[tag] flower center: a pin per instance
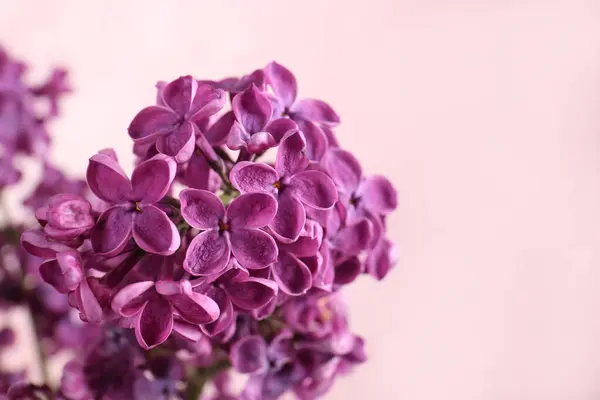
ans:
(138, 206)
(354, 200)
(277, 185)
(223, 226)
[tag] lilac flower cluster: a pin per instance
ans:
(208, 259)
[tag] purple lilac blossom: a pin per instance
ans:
(160, 290)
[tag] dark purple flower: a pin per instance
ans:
(254, 130)
(133, 212)
(172, 123)
(291, 182)
(156, 306)
(233, 230)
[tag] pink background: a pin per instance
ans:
(486, 116)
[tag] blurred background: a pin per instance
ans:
(485, 115)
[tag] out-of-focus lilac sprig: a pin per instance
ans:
(242, 270)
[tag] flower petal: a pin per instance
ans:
(207, 254)
(347, 271)
(237, 138)
(69, 213)
(36, 243)
(344, 169)
(107, 180)
(282, 81)
(150, 123)
(377, 194)
(178, 94)
(291, 154)
(226, 315)
(316, 141)
(87, 303)
(260, 142)
(381, 259)
(126, 302)
(353, 238)
(325, 275)
(279, 127)
(189, 331)
(65, 273)
(208, 101)
(252, 293)
(290, 218)
(112, 231)
(178, 144)
(292, 276)
(218, 132)
(197, 174)
(308, 243)
(316, 111)
(152, 179)
(251, 210)
(254, 249)
(249, 177)
(249, 355)
(315, 189)
(195, 308)
(154, 232)
(331, 137)
(155, 323)
(201, 209)
(252, 109)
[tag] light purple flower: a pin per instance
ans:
(283, 83)
(254, 130)
(381, 259)
(291, 182)
(374, 194)
(299, 261)
(66, 216)
(272, 366)
(66, 274)
(133, 212)
(156, 306)
(225, 231)
(172, 123)
(372, 198)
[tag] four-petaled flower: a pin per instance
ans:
(172, 123)
(254, 130)
(293, 183)
(133, 211)
(161, 307)
(225, 231)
